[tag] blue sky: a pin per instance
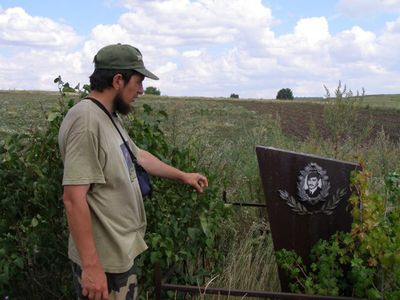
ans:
(208, 48)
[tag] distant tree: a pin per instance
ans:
(285, 94)
(151, 90)
(235, 96)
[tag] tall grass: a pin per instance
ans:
(250, 263)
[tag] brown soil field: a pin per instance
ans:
(296, 117)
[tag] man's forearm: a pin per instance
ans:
(156, 167)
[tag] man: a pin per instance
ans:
(102, 197)
(313, 184)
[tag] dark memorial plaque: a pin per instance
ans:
(306, 199)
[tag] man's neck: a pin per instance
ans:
(106, 98)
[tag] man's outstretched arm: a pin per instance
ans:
(156, 167)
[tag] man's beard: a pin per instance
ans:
(120, 106)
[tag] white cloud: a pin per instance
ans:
(202, 22)
(192, 53)
(36, 69)
(359, 8)
(352, 45)
(19, 28)
(312, 30)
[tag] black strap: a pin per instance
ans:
(99, 104)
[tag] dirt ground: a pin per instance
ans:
(296, 117)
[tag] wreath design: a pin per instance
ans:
(328, 207)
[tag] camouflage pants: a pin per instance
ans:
(121, 286)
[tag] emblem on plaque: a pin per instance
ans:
(313, 188)
(313, 185)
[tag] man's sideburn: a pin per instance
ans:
(120, 106)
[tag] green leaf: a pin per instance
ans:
(155, 257)
(373, 294)
(19, 262)
(193, 232)
(52, 116)
(210, 242)
(155, 239)
(34, 222)
(205, 225)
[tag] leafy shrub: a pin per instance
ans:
(151, 90)
(234, 96)
(285, 94)
(341, 118)
(33, 229)
(182, 225)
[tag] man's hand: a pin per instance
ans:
(94, 283)
(196, 180)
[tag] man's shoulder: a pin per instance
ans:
(83, 116)
(82, 108)
(86, 111)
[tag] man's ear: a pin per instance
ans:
(118, 82)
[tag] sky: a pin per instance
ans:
(209, 48)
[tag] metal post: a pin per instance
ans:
(157, 281)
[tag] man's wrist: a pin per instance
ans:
(182, 176)
(91, 261)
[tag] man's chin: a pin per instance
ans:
(125, 110)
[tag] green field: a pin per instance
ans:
(383, 101)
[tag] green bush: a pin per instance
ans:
(234, 96)
(33, 229)
(182, 225)
(285, 94)
(151, 90)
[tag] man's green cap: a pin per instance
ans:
(121, 57)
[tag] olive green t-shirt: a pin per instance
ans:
(94, 153)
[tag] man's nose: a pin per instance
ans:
(140, 91)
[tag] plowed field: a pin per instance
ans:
(296, 117)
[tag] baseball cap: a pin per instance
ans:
(122, 57)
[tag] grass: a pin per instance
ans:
(383, 101)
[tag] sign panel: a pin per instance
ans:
(306, 197)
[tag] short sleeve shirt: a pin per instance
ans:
(94, 153)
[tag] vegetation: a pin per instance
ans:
(285, 94)
(234, 96)
(213, 136)
(151, 90)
